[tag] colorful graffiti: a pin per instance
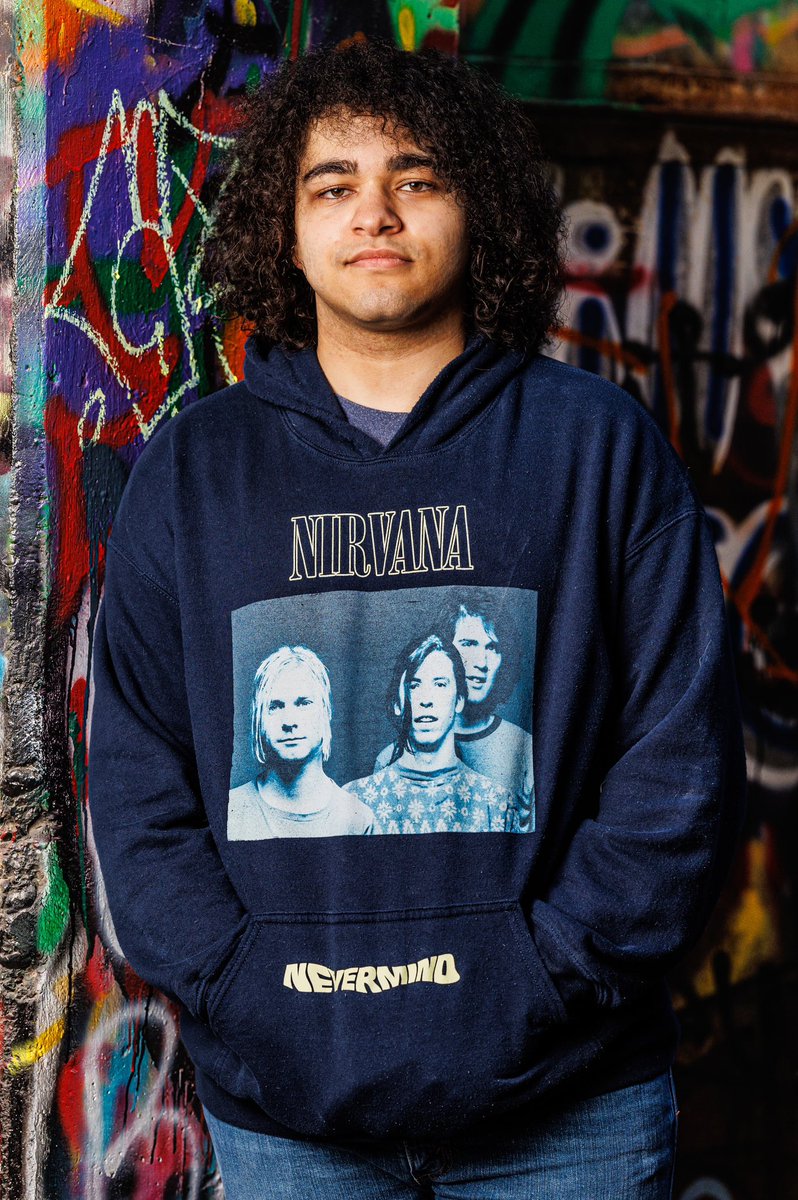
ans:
(126, 111)
(6, 289)
(681, 288)
(702, 331)
(695, 53)
(686, 298)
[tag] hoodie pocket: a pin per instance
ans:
(386, 1024)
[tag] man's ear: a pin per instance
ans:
(460, 705)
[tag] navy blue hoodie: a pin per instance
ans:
(413, 770)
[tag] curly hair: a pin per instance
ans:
(484, 149)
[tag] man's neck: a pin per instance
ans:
(388, 371)
(474, 719)
(436, 759)
(297, 788)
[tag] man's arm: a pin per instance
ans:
(641, 874)
(176, 914)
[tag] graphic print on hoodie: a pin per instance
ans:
(444, 674)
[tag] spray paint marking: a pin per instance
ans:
(143, 139)
(118, 1112)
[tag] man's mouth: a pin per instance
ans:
(378, 258)
(426, 720)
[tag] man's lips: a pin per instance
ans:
(377, 258)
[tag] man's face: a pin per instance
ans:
(381, 241)
(434, 702)
(293, 722)
(481, 656)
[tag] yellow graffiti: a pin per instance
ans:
(106, 1007)
(96, 8)
(28, 1053)
(245, 12)
(752, 935)
(778, 30)
(407, 29)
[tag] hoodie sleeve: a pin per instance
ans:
(175, 911)
(641, 875)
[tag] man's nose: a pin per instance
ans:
(374, 212)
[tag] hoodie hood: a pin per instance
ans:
(295, 383)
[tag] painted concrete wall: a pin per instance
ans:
(124, 113)
(717, 55)
(681, 282)
(682, 268)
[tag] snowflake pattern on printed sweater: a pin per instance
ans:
(451, 800)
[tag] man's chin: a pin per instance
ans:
(296, 754)
(422, 746)
(382, 312)
(478, 710)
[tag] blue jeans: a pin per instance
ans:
(617, 1146)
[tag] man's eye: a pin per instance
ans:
(275, 704)
(334, 193)
(418, 185)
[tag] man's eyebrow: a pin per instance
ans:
(333, 166)
(347, 166)
(408, 162)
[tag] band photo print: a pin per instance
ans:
(406, 711)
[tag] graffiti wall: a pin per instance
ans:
(682, 255)
(125, 114)
(721, 55)
(6, 283)
(682, 271)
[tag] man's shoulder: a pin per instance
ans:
(368, 782)
(582, 392)
(508, 733)
(218, 409)
(243, 796)
(350, 806)
(576, 413)
(193, 441)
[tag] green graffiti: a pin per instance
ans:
(54, 915)
(412, 20)
(533, 47)
(542, 50)
(717, 19)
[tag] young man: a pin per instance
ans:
(290, 728)
(424, 787)
(485, 741)
(390, 236)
